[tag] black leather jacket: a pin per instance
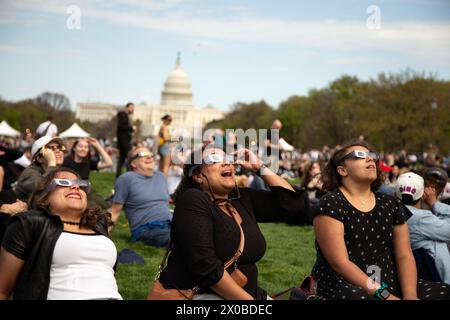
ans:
(31, 236)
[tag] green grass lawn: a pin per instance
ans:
(289, 257)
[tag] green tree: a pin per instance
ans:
(294, 113)
(257, 115)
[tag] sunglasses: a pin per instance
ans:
(359, 154)
(82, 184)
(141, 154)
(56, 147)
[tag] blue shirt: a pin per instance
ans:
(145, 199)
(431, 230)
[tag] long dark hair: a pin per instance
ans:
(72, 152)
(332, 179)
(187, 182)
(39, 201)
(308, 176)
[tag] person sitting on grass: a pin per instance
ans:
(47, 154)
(429, 230)
(144, 195)
(60, 249)
(215, 239)
(79, 160)
(362, 240)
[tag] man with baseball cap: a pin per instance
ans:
(428, 229)
(437, 178)
(47, 154)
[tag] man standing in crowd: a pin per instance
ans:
(144, 195)
(124, 135)
(273, 148)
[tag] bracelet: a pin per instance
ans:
(377, 293)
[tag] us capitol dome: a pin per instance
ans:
(176, 100)
(177, 88)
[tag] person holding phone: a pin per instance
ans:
(47, 155)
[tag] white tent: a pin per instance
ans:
(7, 130)
(285, 146)
(74, 131)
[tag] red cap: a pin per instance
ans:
(384, 167)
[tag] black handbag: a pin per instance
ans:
(306, 291)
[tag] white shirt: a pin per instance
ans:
(51, 132)
(82, 268)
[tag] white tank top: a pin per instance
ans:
(82, 268)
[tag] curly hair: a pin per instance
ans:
(39, 201)
(186, 181)
(332, 179)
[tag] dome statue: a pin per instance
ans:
(177, 88)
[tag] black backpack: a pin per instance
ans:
(306, 291)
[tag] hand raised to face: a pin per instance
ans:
(248, 160)
(430, 196)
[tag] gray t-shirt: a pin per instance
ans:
(145, 199)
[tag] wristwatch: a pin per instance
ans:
(385, 294)
(382, 292)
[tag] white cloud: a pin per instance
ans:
(208, 46)
(413, 39)
(13, 49)
(147, 4)
(359, 59)
(240, 9)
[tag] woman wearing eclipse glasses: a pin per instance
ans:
(362, 240)
(215, 238)
(61, 249)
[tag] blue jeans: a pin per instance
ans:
(164, 149)
(154, 233)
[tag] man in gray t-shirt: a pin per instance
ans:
(144, 195)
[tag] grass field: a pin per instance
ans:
(289, 257)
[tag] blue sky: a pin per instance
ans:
(232, 50)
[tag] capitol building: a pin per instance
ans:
(176, 100)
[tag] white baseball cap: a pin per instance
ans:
(411, 184)
(43, 141)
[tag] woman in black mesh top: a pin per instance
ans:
(205, 234)
(362, 240)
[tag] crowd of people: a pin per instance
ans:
(381, 221)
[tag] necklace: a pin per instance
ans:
(364, 202)
(71, 222)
